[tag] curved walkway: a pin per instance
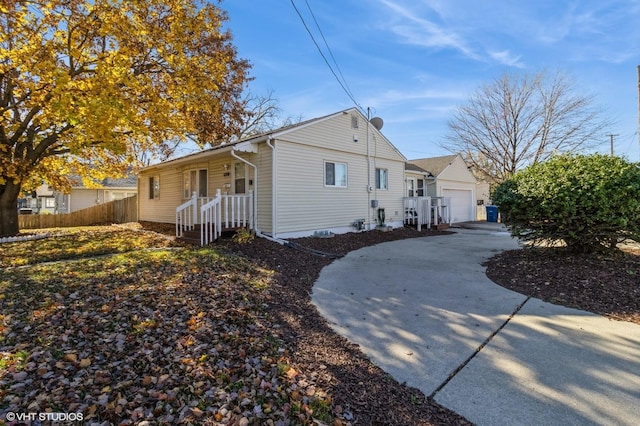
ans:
(424, 311)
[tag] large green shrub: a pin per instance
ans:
(587, 201)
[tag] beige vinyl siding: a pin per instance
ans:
(457, 171)
(264, 190)
(162, 209)
(336, 133)
(390, 199)
(304, 203)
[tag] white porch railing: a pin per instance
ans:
(213, 214)
(421, 211)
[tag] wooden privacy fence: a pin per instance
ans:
(118, 211)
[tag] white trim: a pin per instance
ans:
(195, 188)
(254, 207)
(379, 179)
(335, 163)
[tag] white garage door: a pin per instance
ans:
(461, 204)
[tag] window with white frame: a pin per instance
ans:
(154, 187)
(194, 181)
(335, 174)
(239, 178)
(382, 181)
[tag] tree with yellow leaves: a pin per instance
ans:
(84, 83)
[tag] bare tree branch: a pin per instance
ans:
(515, 121)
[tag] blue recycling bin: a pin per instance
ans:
(492, 213)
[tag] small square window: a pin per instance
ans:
(335, 174)
(382, 179)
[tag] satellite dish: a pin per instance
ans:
(377, 122)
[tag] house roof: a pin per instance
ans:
(414, 168)
(127, 182)
(131, 181)
(435, 165)
(271, 134)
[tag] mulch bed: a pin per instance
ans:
(606, 284)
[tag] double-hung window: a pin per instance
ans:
(382, 181)
(194, 181)
(335, 174)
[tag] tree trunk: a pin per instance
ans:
(9, 209)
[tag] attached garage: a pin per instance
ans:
(448, 176)
(461, 204)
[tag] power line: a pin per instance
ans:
(328, 48)
(324, 57)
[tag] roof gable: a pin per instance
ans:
(275, 134)
(434, 165)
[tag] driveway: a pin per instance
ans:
(424, 311)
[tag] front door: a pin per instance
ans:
(411, 187)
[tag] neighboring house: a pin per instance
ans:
(81, 197)
(40, 201)
(334, 173)
(448, 177)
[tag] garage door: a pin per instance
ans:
(461, 204)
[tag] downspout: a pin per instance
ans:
(255, 191)
(368, 174)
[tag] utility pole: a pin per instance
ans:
(638, 105)
(612, 136)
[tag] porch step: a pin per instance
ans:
(440, 226)
(193, 236)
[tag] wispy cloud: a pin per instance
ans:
(505, 57)
(415, 99)
(432, 28)
(591, 31)
(420, 31)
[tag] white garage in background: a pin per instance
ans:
(461, 204)
(447, 176)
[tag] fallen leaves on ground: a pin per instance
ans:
(80, 242)
(161, 336)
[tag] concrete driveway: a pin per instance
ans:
(424, 311)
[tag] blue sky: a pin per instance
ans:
(413, 61)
